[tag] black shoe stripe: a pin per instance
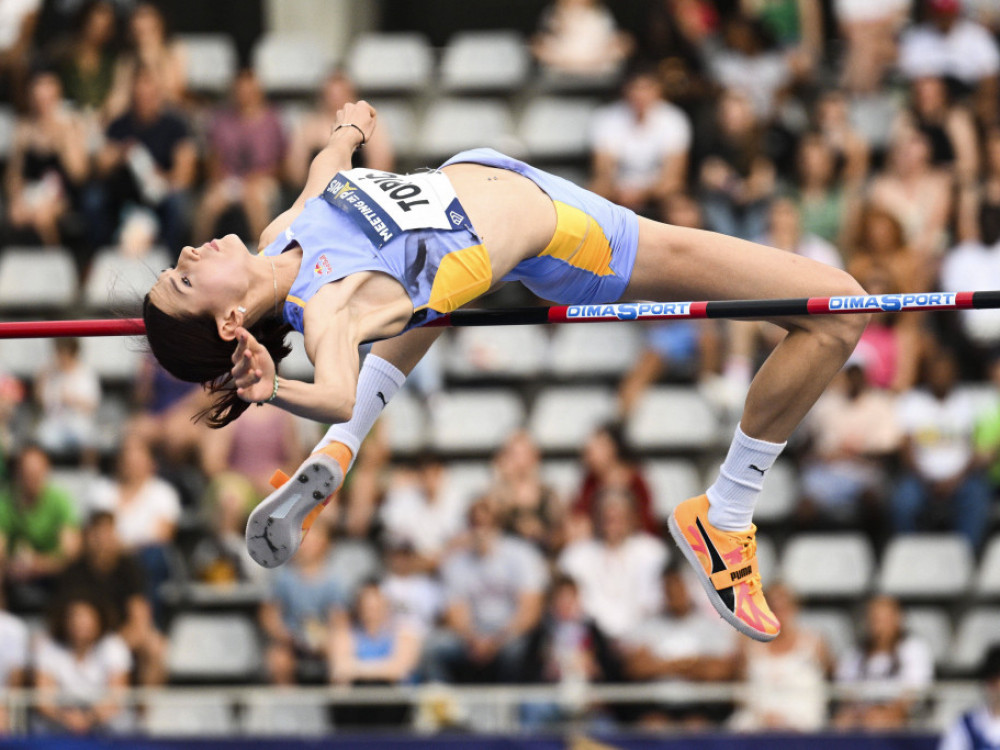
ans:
(727, 595)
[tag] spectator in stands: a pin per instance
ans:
(305, 601)
(980, 727)
(785, 232)
(68, 392)
(609, 463)
(14, 651)
(618, 572)
(493, 593)
(580, 38)
(269, 439)
(987, 434)
(869, 31)
(949, 127)
(373, 648)
(413, 595)
(947, 45)
(990, 190)
(735, 175)
(89, 69)
(47, 161)
(151, 46)
(313, 132)
(915, 192)
(424, 509)
(786, 678)
(220, 557)
(38, 523)
(566, 648)
(146, 510)
(247, 149)
(17, 27)
(834, 123)
(943, 476)
(900, 663)
(81, 667)
(165, 408)
(881, 245)
(852, 431)
(820, 195)
(105, 572)
(640, 146)
(148, 159)
(680, 642)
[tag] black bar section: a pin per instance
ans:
(522, 316)
(985, 300)
(757, 308)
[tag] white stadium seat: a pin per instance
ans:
(926, 566)
(497, 351)
(951, 701)
(557, 128)
(276, 715)
(988, 579)
(933, 626)
(213, 647)
(477, 420)
(405, 423)
(672, 417)
(671, 482)
(117, 281)
(781, 492)
(836, 627)
(211, 61)
(112, 357)
(469, 479)
(291, 62)
(42, 277)
(25, 357)
(485, 61)
(563, 418)
(767, 558)
(606, 349)
(977, 632)
(828, 565)
(297, 365)
(400, 121)
(453, 125)
(188, 714)
(391, 62)
(565, 477)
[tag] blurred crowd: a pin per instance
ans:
(866, 137)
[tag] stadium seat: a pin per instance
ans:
(988, 579)
(497, 351)
(594, 349)
(291, 62)
(933, 626)
(405, 423)
(391, 62)
(767, 558)
(112, 416)
(213, 647)
(833, 625)
(828, 565)
(977, 632)
(478, 420)
(211, 61)
(25, 357)
(297, 365)
(921, 566)
(563, 418)
(277, 715)
(672, 417)
(453, 125)
(115, 358)
(485, 61)
(671, 482)
(557, 128)
(951, 701)
(37, 277)
(188, 714)
(117, 282)
(564, 477)
(781, 492)
(400, 121)
(469, 479)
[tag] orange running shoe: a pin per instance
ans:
(276, 526)
(726, 562)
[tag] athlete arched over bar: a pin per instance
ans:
(365, 255)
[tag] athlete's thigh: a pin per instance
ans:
(677, 263)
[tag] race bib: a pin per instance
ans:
(384, 205)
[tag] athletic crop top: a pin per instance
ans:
(367, 220)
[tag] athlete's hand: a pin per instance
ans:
(360, 114)
(253, 368)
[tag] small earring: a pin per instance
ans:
(242, 309)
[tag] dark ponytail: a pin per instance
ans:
(190, 349)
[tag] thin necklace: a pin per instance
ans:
(274, 278)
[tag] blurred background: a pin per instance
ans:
(503, 525)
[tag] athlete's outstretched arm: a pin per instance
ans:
(335, 157)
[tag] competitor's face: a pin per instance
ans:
(208, 279)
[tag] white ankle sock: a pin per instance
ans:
(378, 382)
(741, 478)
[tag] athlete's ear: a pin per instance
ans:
(229, 322)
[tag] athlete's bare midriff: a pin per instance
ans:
(513, 217)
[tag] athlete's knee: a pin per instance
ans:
(845, 329)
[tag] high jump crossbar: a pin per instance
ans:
(622, 311)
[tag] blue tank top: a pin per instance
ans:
(371, 647)
(976, 738)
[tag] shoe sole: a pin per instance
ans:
(274, 530)
(706, 583)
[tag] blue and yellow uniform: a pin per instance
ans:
(413, 228)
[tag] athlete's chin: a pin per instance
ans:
(230, 243)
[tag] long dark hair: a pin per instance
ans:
(190, 349)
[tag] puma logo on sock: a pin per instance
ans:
(386, 403)
(755, 468)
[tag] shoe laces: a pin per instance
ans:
(749, 545)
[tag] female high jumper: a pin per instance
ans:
(372, 256)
